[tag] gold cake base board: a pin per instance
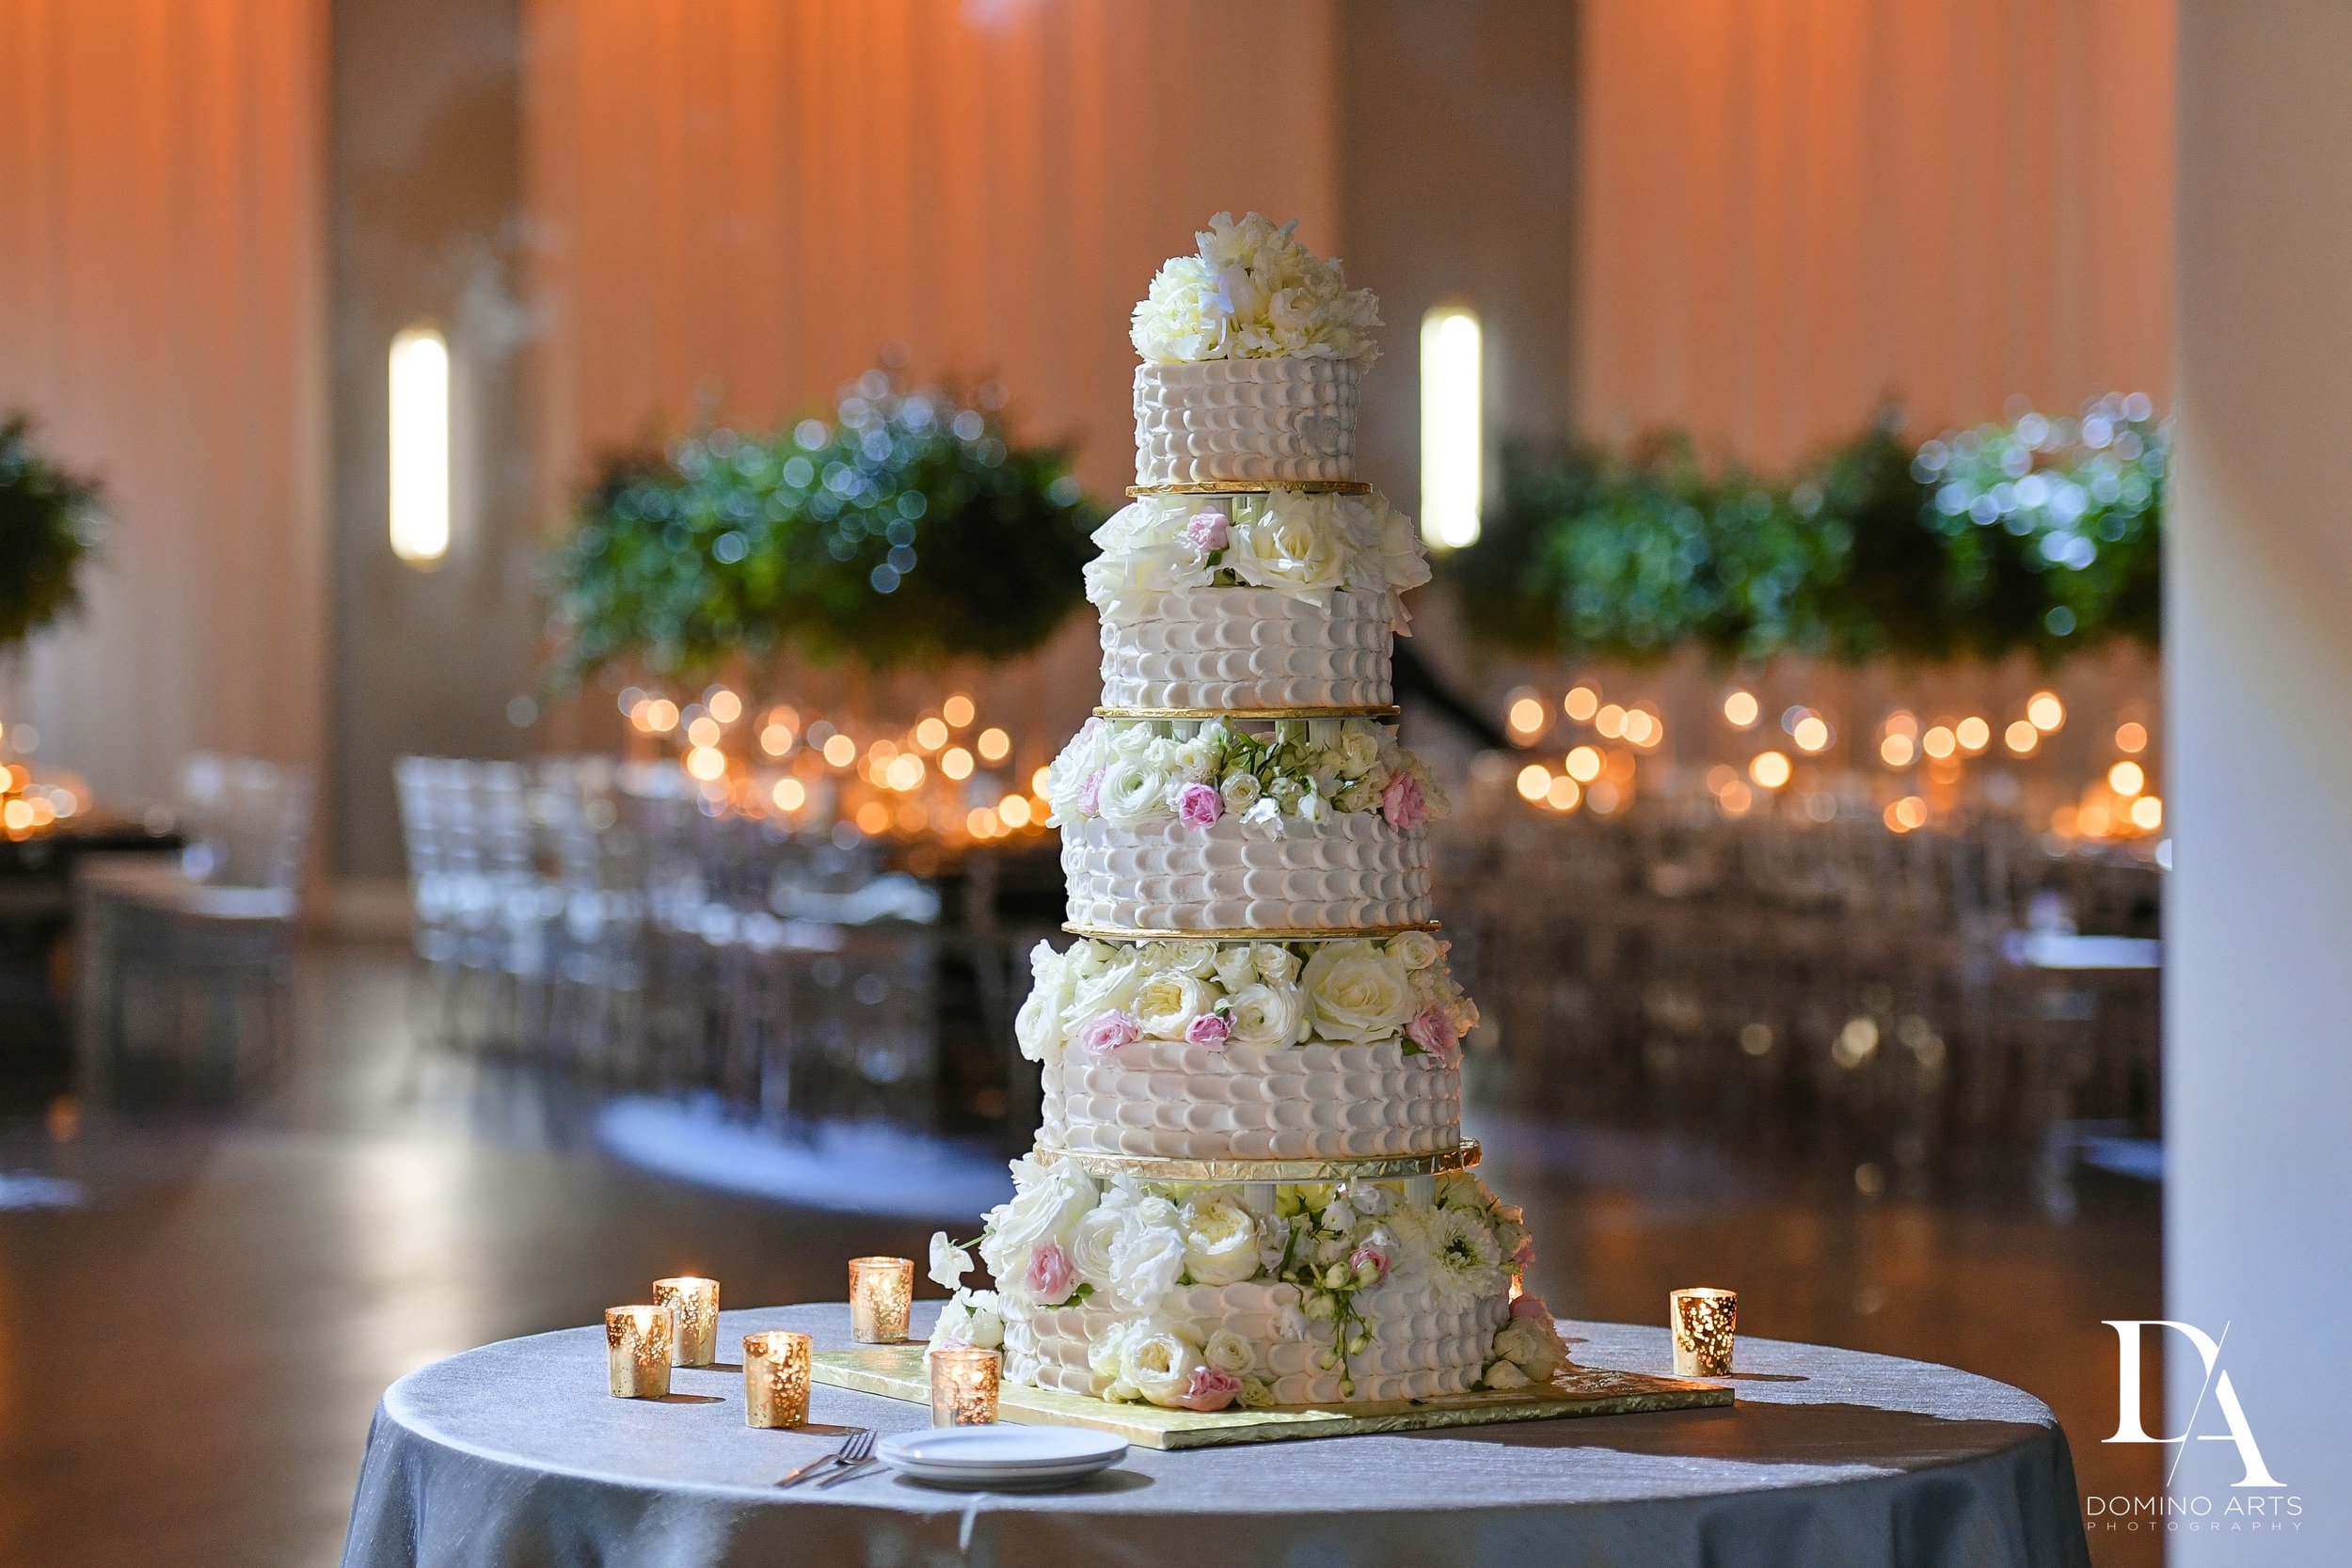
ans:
(897, 1371)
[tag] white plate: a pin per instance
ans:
(1000, 1455)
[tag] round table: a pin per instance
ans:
(514, 1454)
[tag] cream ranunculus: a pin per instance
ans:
(1356, 993)
(1267, 1016)
(1160, 1359)
(1197, 957)
(1290, 545)
(1045, 1209)
(1277, 964)
(1220, 1241)
(1133, 792)
(1167, 1004)
(1090, 1246)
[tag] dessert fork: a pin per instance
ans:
(855, 1449)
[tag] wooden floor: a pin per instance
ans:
(188, 1361)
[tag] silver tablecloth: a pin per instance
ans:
(513, 1455)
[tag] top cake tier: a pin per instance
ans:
(1245, 420)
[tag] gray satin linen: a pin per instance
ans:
(514, 1455)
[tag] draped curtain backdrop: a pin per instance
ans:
(159, 314)
(1791, 208)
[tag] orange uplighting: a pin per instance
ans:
(958, 710)
(873, 818)
(2131, 737)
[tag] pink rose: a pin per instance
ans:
(1052, 1277)
(1526, 1252)
(1199, 806)
(1206, 530)
(1209, 1029)
(1106, 1032)
(1531, 1307)
(1375, 1258)
(1211, 1389)
(1403, 804)
(1434, 1033)
(1090, 793)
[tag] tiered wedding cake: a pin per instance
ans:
(1250, 1184)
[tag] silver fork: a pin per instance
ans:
(855, 1449)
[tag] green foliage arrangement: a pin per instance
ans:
(50, 523)
(2040, 534)
(907, 528)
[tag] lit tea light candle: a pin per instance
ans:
(963, 1386)
(637, 1346)
(693, 1304)
(881, 1289)
(1705, 1323)
(775, 1378)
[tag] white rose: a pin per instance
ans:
(1147, 1254)
(1239, 791)
(1133, 740)
(1404, 560)
(1220, 1242)
(1235, 968)
(1228, 1352)
(1290, 546)
(1355, 750)
(1270, 1017)
(1531, 1346)
(950, 1262)
(1356, 993)
(1277, 964)
(1038, 1026)
(1195, 957)
(1413, 949)
(1159, 1361)
(1504, 1375)
(1133, 792)
(1194, 760)
(1042, 1210)
(1088, 751)
(1167, 1004)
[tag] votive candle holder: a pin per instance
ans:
(693, 1304)
(882, 1291)
(775, 1378)
(1706, 1321)
(963, 1386)
(637, 1350)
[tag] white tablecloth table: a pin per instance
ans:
(515, 1456)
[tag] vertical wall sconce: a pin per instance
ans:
(1452, 426)
(420, 446)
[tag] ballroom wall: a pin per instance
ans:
(162, 313)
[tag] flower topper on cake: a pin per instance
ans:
(1252, 292)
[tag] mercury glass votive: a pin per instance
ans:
(637, 1346)
(963, 1386)
(775, 1378)
(881, 1289)
(1705, 1321)
(693, 1304)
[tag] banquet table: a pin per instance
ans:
(514, 1454)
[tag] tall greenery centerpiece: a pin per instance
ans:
(908, 527)
(2039, 535)
(50, 524)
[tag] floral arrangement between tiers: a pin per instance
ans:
(1123, 1246)
(1101, 996)
(1135, 773)
(1252, 292)
(1307, 544)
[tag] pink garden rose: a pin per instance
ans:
(1403, 803)
(1199, 805)
(1209, 1029)
(1211, 1389)
(1368, 1256)
(1051, 1277)
(1106, 1032)
(1531, 1307)
(1206, 530)
(1090, 793)
(1434, 1033)
(1526, 1252)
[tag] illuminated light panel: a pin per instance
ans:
(1452, 426)
(419, 375)
(1769, 769)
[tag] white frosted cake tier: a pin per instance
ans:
(1417, 1347)
(1255, 420)
(1350, 870)
(1244, 648)
(1170, 1100)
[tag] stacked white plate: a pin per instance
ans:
(1000, 1458)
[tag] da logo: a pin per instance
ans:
(2127, 1426)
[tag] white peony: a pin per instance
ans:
(1053, 982)
(1160, 1359)
(1046, 1203)
(1181, 318)
(1291, 545)
(1133, 792)
(1090, 1246)
(1220, 1241)
(1356, 993)
(950, 1262)
(1228, 1352)
(1252, 290)
(1369, 1197)
(1165, 1004)
(1266, 1016)
(1147, 1254)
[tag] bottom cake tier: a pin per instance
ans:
(1200, 1296)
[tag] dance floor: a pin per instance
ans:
(196, 1316)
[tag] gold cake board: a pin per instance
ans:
(897, 1372)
